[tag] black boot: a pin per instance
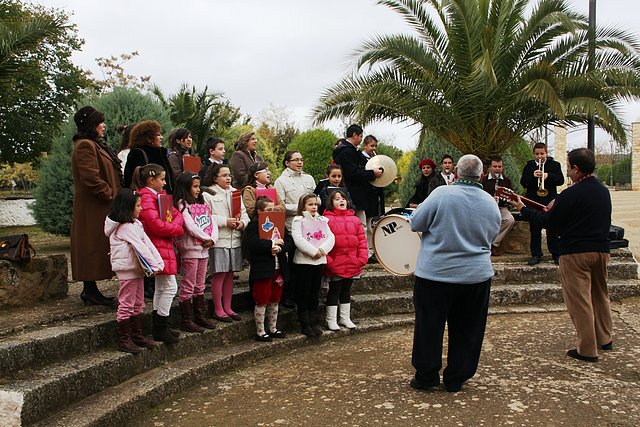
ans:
(314, 318)
(92, 295)
(161, 329)
(307, 330)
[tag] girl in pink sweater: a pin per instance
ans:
(345, 260)
(200, 233)
(126, 235)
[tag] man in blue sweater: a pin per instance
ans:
(453, 277)
(581, 217)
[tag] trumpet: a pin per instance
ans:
(542, 192)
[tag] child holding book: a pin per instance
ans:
(126, 236)
(259, 180)
(150, 181)
(200, 233)
(215, 151)
(313, 240)
(226, 256)
(346, 259)
(268, 271)
(332, 182)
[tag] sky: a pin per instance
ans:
(263, 53)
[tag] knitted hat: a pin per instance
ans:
(88, 118)
(427, 161)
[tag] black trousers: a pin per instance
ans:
(536, 241)
(464, 308)
(339, 291)
(308, 280)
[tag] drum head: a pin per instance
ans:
(395, 245)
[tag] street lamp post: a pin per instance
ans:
(591, 128)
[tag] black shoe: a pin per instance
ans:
(534, 260)
(91, 299)
(225, 319)
(235, 317)
(556, 260)
(372, 260)
(414, 383)
(607, 347)
(574, 353)
(278, 334)
(263, 338)
(453, 388)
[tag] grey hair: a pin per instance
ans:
(470, 167)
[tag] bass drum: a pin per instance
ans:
(395, 245)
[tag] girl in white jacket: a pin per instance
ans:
(226, 256)
(314, 240)
(126, 236)
(200, 233)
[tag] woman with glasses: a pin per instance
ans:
(242, 158)
(292, 184)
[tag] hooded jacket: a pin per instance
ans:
(122, 239)
(350, 252)
(190, 243)
(160, 232)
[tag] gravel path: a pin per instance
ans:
(16, 213)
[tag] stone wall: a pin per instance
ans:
(43, 278)
(635, 154)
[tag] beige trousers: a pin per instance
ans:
(584, 287)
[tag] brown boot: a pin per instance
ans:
(123, 331)
(200, 318)
(186, 309)
(137, 335)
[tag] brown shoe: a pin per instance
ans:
(186, 309)
(199, 317)
(137, 335)
(123, 331)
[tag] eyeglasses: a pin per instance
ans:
(297, 160)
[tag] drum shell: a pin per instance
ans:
(396, 247)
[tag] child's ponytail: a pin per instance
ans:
(141, 175)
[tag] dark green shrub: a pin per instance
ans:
(54, 195)
(316, 147)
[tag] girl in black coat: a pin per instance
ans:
(269, 270)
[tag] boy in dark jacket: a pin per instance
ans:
(269, 269)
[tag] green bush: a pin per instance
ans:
(619, 174)
(316, 147)
(54, 195)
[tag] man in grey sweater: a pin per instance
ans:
(453, 277)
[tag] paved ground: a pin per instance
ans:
(524, 377)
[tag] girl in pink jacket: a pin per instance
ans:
(126, 236)
(150, 180)
(200, 233)
(345, 260)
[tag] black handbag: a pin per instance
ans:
(16, 248)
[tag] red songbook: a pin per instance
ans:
(271, 225)
(165, 205)
(191, 164)
(236, 206)
(268, 192)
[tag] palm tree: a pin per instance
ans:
(204, 113)
(20, 34)
(481, 74)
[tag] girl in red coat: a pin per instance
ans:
(150, 180)
(346, 259)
